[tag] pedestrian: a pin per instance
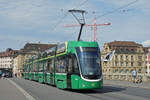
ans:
(0, 74)
(134, 74)
(15, 74)
(3, 76)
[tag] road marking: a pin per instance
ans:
(27, 95)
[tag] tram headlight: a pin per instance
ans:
(92, 84)
(83, 85)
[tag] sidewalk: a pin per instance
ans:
(145, 85)
(9, 92)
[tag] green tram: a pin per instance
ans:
(71, 65)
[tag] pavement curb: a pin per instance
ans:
(139, 85)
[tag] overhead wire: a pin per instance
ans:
(122, 7)
(60, 21)
(81, 4)
(113, 11)
(66, 14)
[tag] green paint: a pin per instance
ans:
(60, 79)
(79, 83)
(41, 77)
(48, 78)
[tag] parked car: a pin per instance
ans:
(7, 75)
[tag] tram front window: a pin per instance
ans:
(89, 59)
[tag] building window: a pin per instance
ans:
(126, 71)
(131, 70)
(132, 58)
(132, 64)
(116, 63)
(109, 70)
(116, 70)
(121, 50)
(139, 63)
(139, 57)
(126, 57)
(132, 50)
(139, 71)
(126, 63)
(121, 63)
(116, 57)
(121, 57)
(121, 70)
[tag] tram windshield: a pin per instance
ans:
(89, 59)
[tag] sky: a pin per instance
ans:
(43, 21)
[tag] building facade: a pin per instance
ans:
(29, 50)
(148, 63)
(6, 60)
(128, 56)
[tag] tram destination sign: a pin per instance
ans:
(88, 49)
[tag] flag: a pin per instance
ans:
(109, 56)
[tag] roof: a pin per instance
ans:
(124, 46)
(37, 46)
(8, 53)
(123, 43)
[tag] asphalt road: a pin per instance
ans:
(9, 92)
(109, 92)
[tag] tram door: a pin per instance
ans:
(72, 69)
(69, 71)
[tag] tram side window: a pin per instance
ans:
(34, 67)
(40, 66)
(50, 65)
(75, 65)
(70, 65)
(29, 68)
(46, 66)
(61, 64)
